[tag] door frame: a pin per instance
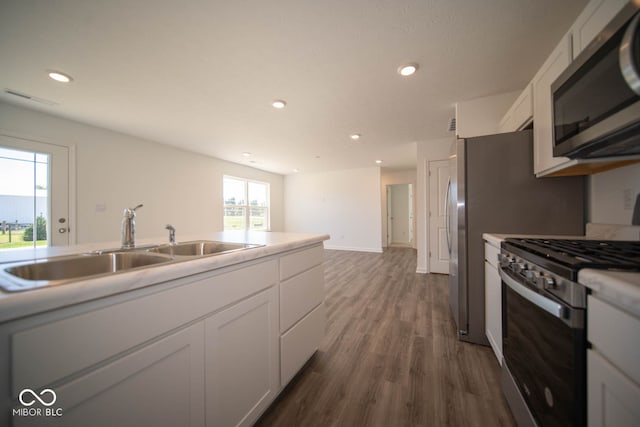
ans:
(71, 148)
(410, 214)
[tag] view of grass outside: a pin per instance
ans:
(236, 193)
(23, 198)
(15, 239)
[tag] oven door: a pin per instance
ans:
(544, 346)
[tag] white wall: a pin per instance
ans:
(119, 171)
(345, 204)
(436, 149)
(392, 178)
(607, 192)
(482, 116)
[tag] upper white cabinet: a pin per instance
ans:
(559, 59)
(595, 16)
(520, 114)
(591, 21)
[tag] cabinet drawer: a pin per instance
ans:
(299, 295)
(616, 335)
(300, 342)
(491, 254)
(297, 262)
(59, 348)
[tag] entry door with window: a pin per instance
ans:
(34, 193)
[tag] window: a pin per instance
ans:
(246, 204)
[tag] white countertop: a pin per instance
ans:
(18, 304)
(620, 288)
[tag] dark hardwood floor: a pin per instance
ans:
(390, 356)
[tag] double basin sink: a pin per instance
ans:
(26, 275)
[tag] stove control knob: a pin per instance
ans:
(519, 267)
(532, 275)
(546, 282)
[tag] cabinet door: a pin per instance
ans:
(595, 16)
(493, 308)
(613, 399)
(242, 360)
(161, 384)
(542, 109)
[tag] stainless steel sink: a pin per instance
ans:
(58, 270)
(200, 248)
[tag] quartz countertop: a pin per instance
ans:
(619, 288)
(24, 303)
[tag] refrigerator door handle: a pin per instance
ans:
(446, 215)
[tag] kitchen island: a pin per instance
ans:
(206, 341)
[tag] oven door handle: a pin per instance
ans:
(548, 305)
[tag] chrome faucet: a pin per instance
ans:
(172, 234)
(128, 239)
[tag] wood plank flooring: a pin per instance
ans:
(390, 356)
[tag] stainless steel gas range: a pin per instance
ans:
(544, 323)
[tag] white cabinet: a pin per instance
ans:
(493, 299)
(521, 112)
(160, 384)
(614, 400)
(595, 16)
(613, 371)
(543, 160)
(242, 364)
(302, 311)
(210, 349)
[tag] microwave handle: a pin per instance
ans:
(628, 64)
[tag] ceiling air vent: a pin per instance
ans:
(29, 97)
(452, 124)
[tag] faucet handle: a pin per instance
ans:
(131, 212)
(172, 233)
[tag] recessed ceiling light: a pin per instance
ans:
(296, 170)
(60, 77)
(355, 136)
(246, 154)
(407, 70)
(279, 104)
(378, 161)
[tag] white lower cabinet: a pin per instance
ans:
(613, 371)
(613, 399)
(160, 384)
(204, 350)
(493, 299)
(242, 374)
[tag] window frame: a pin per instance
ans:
(247, 206)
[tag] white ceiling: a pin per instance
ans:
(201, 74)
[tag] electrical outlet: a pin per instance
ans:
(627, 197)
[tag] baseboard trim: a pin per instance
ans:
(353, 249)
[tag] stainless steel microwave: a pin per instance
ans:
(596, 100)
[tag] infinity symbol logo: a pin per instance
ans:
(37, 397)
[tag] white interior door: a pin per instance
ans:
(35, 183)
(438, 248)
(400, 204)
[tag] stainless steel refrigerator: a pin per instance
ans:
(493, 190)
